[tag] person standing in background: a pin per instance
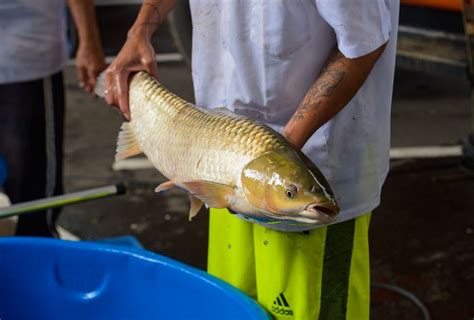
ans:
(33, 53)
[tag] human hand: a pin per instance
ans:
(90, 63)
(137, 54)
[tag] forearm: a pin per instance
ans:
(83, 13)
(152, 14)
(137, 54)
(336, 85)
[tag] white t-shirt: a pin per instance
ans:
(259, 58)
(32, 39)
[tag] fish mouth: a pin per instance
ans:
(315, 213)
(323, 213)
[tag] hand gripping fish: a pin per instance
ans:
(221, 159)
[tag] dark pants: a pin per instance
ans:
(31, 140)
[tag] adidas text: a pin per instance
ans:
(283, 312)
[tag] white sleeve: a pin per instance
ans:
(361, 26)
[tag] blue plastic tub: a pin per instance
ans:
(55, 279)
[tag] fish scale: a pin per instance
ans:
(184, 136)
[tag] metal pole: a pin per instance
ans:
(63, 200)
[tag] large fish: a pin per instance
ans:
(221, 159)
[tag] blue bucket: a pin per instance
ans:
(3, 171)
(53, 279)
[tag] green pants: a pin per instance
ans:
(320, 274)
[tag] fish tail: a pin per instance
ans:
(100, 85)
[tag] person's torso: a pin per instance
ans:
(252, 56)
(259, 58)
(33, 39)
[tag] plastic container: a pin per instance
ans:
(54, 279)
(7, 226)
(3, 171)
(4, 201)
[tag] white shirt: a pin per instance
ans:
(259, 58)
(32, 39)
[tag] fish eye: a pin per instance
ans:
(291, 191)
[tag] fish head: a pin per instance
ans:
(283, 186)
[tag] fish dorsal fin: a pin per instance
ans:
(226, 112)
(196, 205)
(222, 110)
(127, 143)
(216, 195)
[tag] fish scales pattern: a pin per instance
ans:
(193, 143)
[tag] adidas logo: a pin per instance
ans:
(281, 306)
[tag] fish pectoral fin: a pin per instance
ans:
(127, 143)
(196, 205)
(165, 186)
(216, 195)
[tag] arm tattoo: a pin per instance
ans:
(303, 109)
(144, 24)
(157, 10)
(324, 86)
(148, 23)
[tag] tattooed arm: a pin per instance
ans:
(336, 85)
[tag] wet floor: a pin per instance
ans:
(422, 235)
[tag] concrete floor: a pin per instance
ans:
(421, 237)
